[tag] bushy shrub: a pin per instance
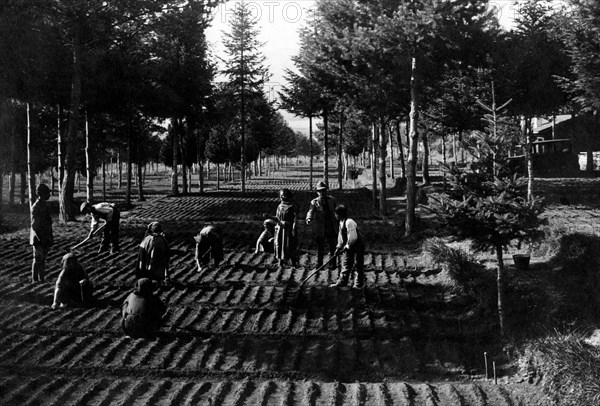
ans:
(459, 265)
(567, 367)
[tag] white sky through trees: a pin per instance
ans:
(279, 22)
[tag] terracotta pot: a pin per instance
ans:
(521, 261)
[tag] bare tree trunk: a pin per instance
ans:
(103, 180)
(175, 141)
(29, 160)
(129, 164)
(88, 161)
(400, 148)
(140, 175)
(391, 140)
(375, 143)
(339, 152)
(426, 178)
(310, 142)
(218, 177)
(382, 180)
(411, 189)
(326, 147)
(528, 155)
(119, 170)
(500, 288)
(67, 209)
(59, 141)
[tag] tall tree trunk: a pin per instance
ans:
(140, 167)
(175, 141)
(411, 181)
(339, 152)
(500, 288)
(88, 162)
(29, 160)
(218, 177)
(119, 169)
(426, 179)
(59, 141)
(382, 172)
(1, 191)
(391, 140)
(374, 146)
(129, 164)
(103, 180)
(400, 148)
(67, 209)
(310, 142)
(529, 158)
(326, 146)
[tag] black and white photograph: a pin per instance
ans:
(300, 202)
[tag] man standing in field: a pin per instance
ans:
(324, 226)
(41, 237)
(110, 215)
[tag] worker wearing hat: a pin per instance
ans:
(40, 236)
(321, 218)
(109, 214)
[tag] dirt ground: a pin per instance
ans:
(245, 333)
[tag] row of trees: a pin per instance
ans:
(131, 80)
(442, 66)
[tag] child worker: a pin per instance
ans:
(350, 245)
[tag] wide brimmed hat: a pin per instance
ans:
(321, 186)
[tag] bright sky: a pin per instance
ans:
(279, 22)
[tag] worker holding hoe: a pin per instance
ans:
(109, 214)
(350, 245)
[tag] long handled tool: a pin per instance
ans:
(89, 236)
(318, 269)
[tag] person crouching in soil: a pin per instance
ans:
(350, 245)
(73, 287)
(209, 245)
(153, 255)
(265, 242)
(143, 311)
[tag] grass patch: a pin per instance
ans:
(567, 367)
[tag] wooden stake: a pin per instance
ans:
(486, 366)
(494, 367)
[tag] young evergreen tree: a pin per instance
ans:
(245, 70)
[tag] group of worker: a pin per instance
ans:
(142, 310)
(331, 228)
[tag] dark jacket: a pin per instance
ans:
(41, 224)
(316, 214)
(142, 310)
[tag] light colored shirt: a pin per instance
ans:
(351, 234)
(105, 210)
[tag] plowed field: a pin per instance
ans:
(245, 333)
